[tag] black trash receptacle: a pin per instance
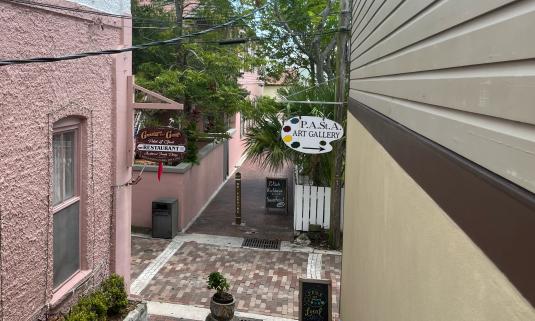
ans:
(165, 218)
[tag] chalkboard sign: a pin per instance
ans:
(315, 300)
(276, 193)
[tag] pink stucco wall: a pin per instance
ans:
(32, 98)
(122, 170)
(250, 81)
(192, 189)
(235, 146)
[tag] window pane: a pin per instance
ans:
(69, 154)
(66, 243)
(57, 170)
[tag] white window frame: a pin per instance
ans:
(71, 124)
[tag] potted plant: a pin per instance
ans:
(222, 303)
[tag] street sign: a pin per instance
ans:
(161, 144)
(310, 134)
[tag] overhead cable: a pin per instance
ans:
(127, 49)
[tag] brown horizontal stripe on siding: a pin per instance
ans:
(496, 214)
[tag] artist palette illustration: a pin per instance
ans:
(311, 134)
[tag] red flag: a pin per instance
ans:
(160, 170)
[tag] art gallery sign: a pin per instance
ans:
(161, 144)
(310, 134)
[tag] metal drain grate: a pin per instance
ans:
(261, 243)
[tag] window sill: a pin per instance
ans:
(60, 294)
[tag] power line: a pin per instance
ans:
(141, 19)
(117, 51)
(257, 38)
(53, 6)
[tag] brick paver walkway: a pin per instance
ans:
(217, 218)
(331, 269)
(262, 282)
(143, 252)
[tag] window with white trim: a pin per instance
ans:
(66, 200)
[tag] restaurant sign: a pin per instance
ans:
(310, 134)
(161, 144)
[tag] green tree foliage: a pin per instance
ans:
(263, 141)
(199, 72)
(299, 34)
(151, 23)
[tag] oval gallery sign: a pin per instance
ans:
(161, 144)
(310, 134)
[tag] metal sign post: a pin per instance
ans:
(238, 198)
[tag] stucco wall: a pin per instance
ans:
(192, 189)
(404, 258)
(250, 81)
(235, 146)
(191, 185)
(32, 98)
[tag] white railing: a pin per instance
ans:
(312, 205)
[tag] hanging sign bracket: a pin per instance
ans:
(163, 103)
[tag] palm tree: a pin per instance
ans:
(263, 143)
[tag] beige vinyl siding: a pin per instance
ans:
(404, 259)
(437, 18)
(358, 35)
(395, 19)
(461, 73)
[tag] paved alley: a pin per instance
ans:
(218, 216)
(264, 283)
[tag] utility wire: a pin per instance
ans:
(254, 38)
(53, 6)
(257, 38)
(127, 49)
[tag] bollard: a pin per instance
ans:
(238, 198)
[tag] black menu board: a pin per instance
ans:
(276, 193)
(315, 300)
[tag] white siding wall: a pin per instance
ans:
(461, 73)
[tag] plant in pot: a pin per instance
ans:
(222, 303)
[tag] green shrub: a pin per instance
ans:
(113, 290)
(93, 307)
(218, 282)
(110, 299)
(80, 315)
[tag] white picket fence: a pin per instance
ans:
(312, 205)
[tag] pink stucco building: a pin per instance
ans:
(64, 218)
(193, 185)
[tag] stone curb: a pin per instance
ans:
(140, 313)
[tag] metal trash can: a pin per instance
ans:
(165, 218)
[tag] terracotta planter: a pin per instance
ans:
(222, 311)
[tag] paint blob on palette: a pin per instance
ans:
(310, 134)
